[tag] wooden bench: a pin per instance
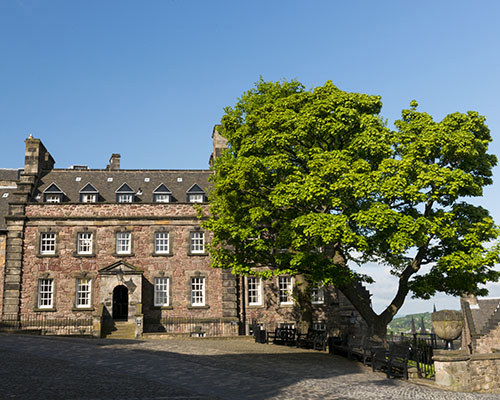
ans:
(394, 360)
(314, 339)
(349, 346)
(286, 336)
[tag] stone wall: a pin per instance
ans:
(3, 241)
(335, 311)
(457, 370)
(487, 343)
(104, 221)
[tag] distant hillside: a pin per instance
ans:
(403, 324)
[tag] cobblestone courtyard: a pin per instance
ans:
(34, 367)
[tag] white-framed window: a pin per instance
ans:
(161, 291)
(197, 245)
(47, 243)
(319, 326)
(52, 198)
(196, 198)
(125, 198)
(123, 242)
(162, 243)
(318, 295)
(84, 243)
(89, 198)
(254, 285)
(45, 293)
(162, 198)
(285, 286)
(83, 292)
(197, 291)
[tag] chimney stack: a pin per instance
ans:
(219, 142)
(114, 162)
(36, 157)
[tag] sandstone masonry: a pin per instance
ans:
(96, 251)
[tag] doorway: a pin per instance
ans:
(120, 303)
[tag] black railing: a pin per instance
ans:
(191, 326)
(46, 325)
(422, 349)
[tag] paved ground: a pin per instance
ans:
(34, 367)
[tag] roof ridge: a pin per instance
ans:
(128, 170)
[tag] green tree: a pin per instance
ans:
(315, 183)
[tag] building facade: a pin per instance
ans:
(92, 251)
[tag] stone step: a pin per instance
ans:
(119, 330)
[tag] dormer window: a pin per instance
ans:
(195, 194)
(125, 194)
(89, 194)
(53, 194)
(162, 194)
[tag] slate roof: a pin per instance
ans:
(6, 195)
(479, 317)
(9, 174)
(107, 182)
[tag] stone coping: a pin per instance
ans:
(462, 355)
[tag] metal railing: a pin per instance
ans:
(422, 350)
(196, 327)
(45, 325)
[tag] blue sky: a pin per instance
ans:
(149, 79)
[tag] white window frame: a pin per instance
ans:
(125, 198)
(161, 198)
(198, 291)
(162, 243)
(161, 292)
(45, 293)
(254, 290)
(197, 242)
(285, 290)
(89, 197)
(319, 325)
(196, 198)
(318, 295)
(85, 242)
(123, 242)
(83, 293)
(52, 198)
(48, 243)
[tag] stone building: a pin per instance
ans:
(100, 251)
(481, 327)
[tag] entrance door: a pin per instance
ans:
(120, 302)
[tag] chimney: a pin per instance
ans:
(220, 143)
(36, 157)
(114, 162)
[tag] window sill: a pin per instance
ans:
(255, 306)
(77, 255)
(123, 255)
(47, 255)
(191, 307)
(82, 309)
(286, 305)
(162, 308)
(197, 254)
(162, 254)
(36, 309)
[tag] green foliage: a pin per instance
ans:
(403, 324)
(315, 183)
